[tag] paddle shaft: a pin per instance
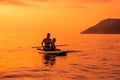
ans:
(43, 46)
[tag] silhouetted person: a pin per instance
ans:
(53, 46)
(46, 43)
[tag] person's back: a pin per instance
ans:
(46, 43)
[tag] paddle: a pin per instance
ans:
(37, 47)
(56, 46)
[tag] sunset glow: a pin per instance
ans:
(28, 52)
(40, 15)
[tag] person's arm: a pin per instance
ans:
(50, 42)
(42, 42)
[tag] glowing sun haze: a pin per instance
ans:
(54, 15)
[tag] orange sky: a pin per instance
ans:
(54, 15)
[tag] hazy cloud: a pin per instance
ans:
(23, 3)
(13, 2)
(72, 0)
(92, 0)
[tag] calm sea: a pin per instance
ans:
(98, 58)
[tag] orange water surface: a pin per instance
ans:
(98, 59)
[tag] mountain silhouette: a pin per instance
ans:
(107, 26)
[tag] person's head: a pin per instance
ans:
(54, 40)
(48, 35)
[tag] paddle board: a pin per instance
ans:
(57, 53)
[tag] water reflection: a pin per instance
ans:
(49, 59)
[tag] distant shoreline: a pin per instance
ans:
(106, 26)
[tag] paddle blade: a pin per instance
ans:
(37, 47)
